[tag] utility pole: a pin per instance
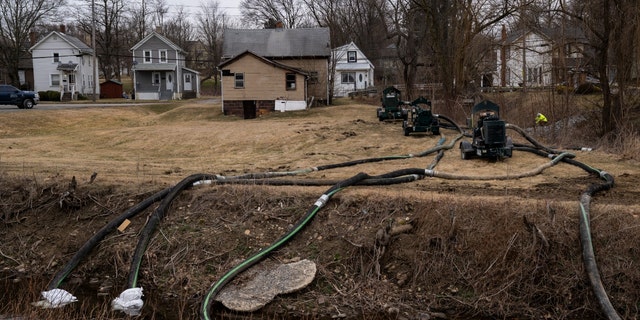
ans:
(93, 45)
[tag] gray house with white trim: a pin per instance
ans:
(159, 71)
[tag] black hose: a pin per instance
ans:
(450, 121)
(95, 240)
(154, 219)
(588, 255)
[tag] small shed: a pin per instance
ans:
(111, 89)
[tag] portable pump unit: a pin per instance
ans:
(420, 118)
(393, 108)
(489, 134)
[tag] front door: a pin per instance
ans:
(169, 76)
(249, 109)
(187, 82)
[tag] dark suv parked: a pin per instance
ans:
(14, 96)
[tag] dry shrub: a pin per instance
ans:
(624, 142)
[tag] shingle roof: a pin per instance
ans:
(263, 59)
(71, 40)
(159, 36)
(83, 47)
(277, 43)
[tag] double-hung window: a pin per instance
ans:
(352, 56)
(163, 56)
(239, 80)
(155, 78)
(55, 79)
(147, 56)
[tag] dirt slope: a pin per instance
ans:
(435, 247)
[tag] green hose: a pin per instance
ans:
(227, 277)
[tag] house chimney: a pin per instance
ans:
(159, 29)
(63, 28)
(33, 37)
(279, 24)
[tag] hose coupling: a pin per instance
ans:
(321, 201)
(429, 172)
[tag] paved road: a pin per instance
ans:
(59, 106)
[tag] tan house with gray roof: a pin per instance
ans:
(266, 70)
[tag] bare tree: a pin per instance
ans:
(210, 25)
(266, 13)
(137, 21)
(159, 10)
(111, 45)
(409, 34)
(17, 19)
(179, 29)
(363, 22)
(452, 26)
(612, 30)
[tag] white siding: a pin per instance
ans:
(362, 70)
(44, 65)
(535, 67)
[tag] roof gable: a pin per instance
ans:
(263, 59)
(160, 37)
(73, 42)
(341, 51)
(277, 43)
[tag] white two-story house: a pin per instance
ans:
(159, 71)
(525, 59)
(65, 64)
(352, 70)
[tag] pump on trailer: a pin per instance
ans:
(489, 138)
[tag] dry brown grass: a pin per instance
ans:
(471, 251)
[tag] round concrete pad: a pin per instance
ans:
(260, 290)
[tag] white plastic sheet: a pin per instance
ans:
(129, 301)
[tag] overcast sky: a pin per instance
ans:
(193, 6)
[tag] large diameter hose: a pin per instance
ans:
(93, 241)
(154, 220)
(588, 255)
(54, 297)
(227, 277)
(130, 300)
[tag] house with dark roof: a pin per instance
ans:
(264, 70)
(65, 64)
(159, 70)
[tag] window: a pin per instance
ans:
(147, 56)
(72, 78)
(239, 83)
(348, 77)
(55, 80)
(56, 57)
(155, 78)
(163, 56)
(352, 56)
(187, 78)
(291, 81)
